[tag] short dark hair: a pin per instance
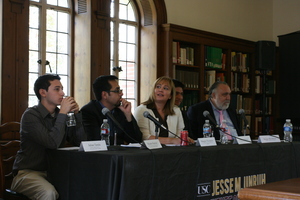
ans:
(177, 83)
(214, 86)
(43, 82)
(101, 84)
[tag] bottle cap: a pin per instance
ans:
(206, 121)
(288, 120)
(104, 120)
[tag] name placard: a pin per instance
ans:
(244, 139)
(152, 144)
(268, 139)
(206, 142)
(97, 145)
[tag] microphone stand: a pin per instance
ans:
(156, 131)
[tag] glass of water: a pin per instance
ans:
(71, 119)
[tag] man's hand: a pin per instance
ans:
(125, 107)
(69, 104)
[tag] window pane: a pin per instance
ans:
(33, 39)
(122, 51)
(64, 82)
(51, 20)
(34, 17)
(63, 22)
(62, 64)
(128, 88)
(111, 50)
(112, 36)
(33, 100)
(123, 12)
(31, 81)
(62, 43)
(112, 9)
(52, 2)
(33, 64)
(51, 41)
(128, 70)
(123, 33)
(130, 52)
(131, 34)
(131, 15)
(63, 3)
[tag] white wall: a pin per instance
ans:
(286, 17)
(246, 19)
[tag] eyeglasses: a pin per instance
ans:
(116, 91)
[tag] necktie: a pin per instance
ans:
(221, 119)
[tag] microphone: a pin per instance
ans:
(242, 113)
(106, 112)
(157, 123)
(213, 121)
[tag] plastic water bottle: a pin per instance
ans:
(207, 131)
(105, 132)
(223, 132)
(287, 130)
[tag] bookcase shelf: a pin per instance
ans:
(199, 58)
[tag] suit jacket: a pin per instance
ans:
(92, 119)
(196, 118)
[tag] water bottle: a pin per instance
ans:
(223, 132)
(207, 130)
(288, 129)
(105, 132)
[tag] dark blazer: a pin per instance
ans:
(92, 119)
(196, 118)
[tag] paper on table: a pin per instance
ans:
(68, 148)
(131, 145)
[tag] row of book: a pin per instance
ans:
(212, 76)
(269, 125)
(238, 102)
(240, 82)
(270, 85)
(189, 78)
(182, 55)
(215, 58)
(239, 62)
(259, 105)
(190, 98)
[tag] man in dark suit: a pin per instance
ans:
(109, 95)
(179, 87)
(218, 102)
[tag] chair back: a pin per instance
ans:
(8, 151)
(9, 131)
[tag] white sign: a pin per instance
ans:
(268, 139)
(97, 145)
(244, 139)
(152, 144)
(206, 142)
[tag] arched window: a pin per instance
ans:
(124, 40)
(49, 42)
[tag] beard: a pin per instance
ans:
(223, 106)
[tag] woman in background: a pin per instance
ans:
(160, 105)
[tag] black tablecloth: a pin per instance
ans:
(171, 172)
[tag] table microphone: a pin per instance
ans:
(157, 123)
(242, 113)
(206, 114)
(106, 112)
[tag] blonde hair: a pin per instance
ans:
(168, 109)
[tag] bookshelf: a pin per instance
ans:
(198, 58)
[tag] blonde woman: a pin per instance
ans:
(160, 105)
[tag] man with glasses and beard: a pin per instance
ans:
(109, 95)
(218, 105)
